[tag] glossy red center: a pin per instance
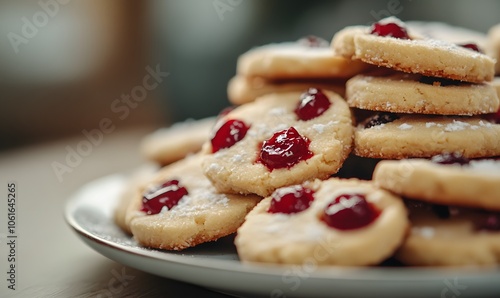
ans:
(312, 104)
(349, 211)
(471, 46)
(167, 195)
(284, 149)
(291, 199)
(390, 30)
(231, 132)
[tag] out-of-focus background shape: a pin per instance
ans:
(66, 65)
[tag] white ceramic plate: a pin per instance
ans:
(216, 265)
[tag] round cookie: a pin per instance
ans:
(410, 93)
(241, 90)
(449, 33)
(170, 144)
(316, 147)
(199, 216)
(425, 136)
(476, 184)
(494, 45)
(458, 238)
(429, 57)
(294, 60)
(305, 237)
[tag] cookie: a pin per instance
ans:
(278, 140)
(170, 144)
(494, 45)
(331, 222)
(496, 84)
(391, 46)
(449, 33)
(398, 136)
(474, 184)
(179, 208)
(451, 237)
(296, 60)
(413, 93)
(127, 194)
(242, 90)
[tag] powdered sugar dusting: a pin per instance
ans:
(198, 201)
(490, 166)
(277, 111)
(456, 126)
(405, 126)
(485, 124)
(320, 128)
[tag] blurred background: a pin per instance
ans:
(66, 65)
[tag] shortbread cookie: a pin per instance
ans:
(496, 84)
(242, 90)
(170, 144)
(472, 184)
(331, 222)
(449, 33)
(179, 208)
(391, 46)
(279, 140)
(450, 236)
(494, 45)
(296, 60)
(398, 136)
(127, 194)
(411, 93)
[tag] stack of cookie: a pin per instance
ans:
(288, 67)
(265, 167)
(428, 97)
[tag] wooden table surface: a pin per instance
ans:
(51, 261)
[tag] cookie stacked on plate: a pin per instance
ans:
(292, 130)
(429, 96)
(433, 100)
(288, 67)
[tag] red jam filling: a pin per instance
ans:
(390, 30)
(231, 132)
(166, 195)
(450, 158)
(284, 149)
(312, 104)
(471, 46)
(290, 200)
(381, 118)
(349, 212)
